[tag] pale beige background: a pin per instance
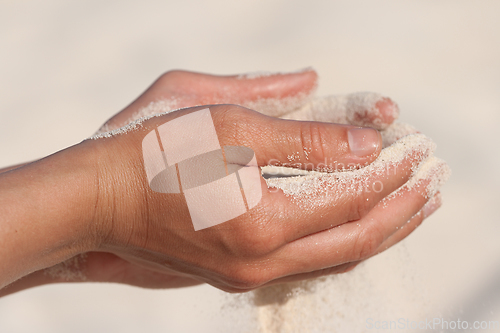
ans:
(65, 67)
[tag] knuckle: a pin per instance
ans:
(246, 277)
(367, 242)
(233, 123)
(361, 207)
(171, 77)
(255, 242)
(254, 236)
(313, 140)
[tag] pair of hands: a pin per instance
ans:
(88, 213)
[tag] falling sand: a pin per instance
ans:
(338, 303)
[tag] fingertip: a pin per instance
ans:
(304, 81)
(371, 109)
(432, 205)
(388, 110)
(364, 142)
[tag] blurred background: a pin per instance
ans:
(67, 66)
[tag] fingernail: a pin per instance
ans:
(432, 205)
(363, 141)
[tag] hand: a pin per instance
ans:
(272, 245)
(175, 89)
(287, 96)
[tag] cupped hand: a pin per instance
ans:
(279, 239)
(146, 238)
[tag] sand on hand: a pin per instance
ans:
(332, 303)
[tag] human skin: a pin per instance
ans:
(93, 201)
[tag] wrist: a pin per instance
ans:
(46, 212)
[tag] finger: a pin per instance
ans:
(192, 89)
(273, 94)
(430, 207)
(358, 240)
(248, 88)
(306, 145)
(334, 198)
(360, 109)
(311, 145)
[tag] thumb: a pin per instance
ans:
(306, 145)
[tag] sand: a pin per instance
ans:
(355, 109)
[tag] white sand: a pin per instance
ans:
(355, 109)
(154, 109)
